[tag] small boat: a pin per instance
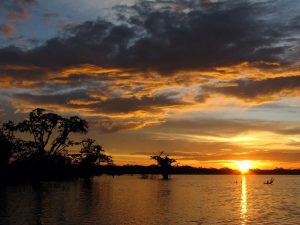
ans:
(269, 181)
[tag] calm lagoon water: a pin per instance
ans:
(188, 199)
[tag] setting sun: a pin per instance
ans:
(244, 165)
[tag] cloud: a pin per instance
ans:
(270, 156)
(157, 57)
(107, 112)
(79, 98)
(108, 125)
(228, 127)
(6, 29)
(165, 39)
(12, 11)
(215, 136)
(258, 155)
(260, 90)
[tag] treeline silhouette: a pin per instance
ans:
(37, 148)
(116, 170)
(154, 169)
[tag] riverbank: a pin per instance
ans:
(17, 173)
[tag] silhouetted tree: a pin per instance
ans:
(92, 154)
(5, 150)
(6, 142)
(38, 145)
(8, 129)
(46, 127)
(165, 164)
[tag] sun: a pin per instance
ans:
(244, 165)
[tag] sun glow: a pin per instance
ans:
(244, 165)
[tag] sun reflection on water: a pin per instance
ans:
(244, 200)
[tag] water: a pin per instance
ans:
(189, 199)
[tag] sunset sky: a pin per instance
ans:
(208, 82)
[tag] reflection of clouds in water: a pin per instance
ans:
(244, 200)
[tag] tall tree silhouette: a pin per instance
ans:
(45, 127)
(165, 164)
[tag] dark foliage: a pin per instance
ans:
(165, 164)
(5, 149)
(44, 127)
(38, 146)
(92, 154)
(181, 170)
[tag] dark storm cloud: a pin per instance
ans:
(251, 89)
(164, 39)
(89, 43)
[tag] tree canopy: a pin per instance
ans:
(45, 138)
(165, 163)
(44, 127)
(93, 153)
